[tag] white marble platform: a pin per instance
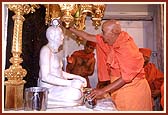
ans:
(104, 105)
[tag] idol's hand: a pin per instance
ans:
(83, 81)
(76, 83)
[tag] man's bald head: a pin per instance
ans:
(112, 25)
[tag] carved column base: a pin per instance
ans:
(14, 95)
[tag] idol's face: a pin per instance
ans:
(56, 37)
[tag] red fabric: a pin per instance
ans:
(122, 58)
(145, 51)
(89, 43)
(154, 76)
(82, 54)
(162, 95)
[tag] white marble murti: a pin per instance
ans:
(64, 89)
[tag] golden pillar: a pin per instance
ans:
(15, 73)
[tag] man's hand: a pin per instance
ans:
(95, 93)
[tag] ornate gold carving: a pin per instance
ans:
(68, 10)
(75, 14)
(98, 13)
(15, 73)
(21, 9)
(52, 11)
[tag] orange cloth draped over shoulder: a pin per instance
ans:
(102, 50)
(123, 59)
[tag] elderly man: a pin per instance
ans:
(121, 61)
(52, 76)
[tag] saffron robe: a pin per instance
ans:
(123, 59)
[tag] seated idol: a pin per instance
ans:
(64, 89)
